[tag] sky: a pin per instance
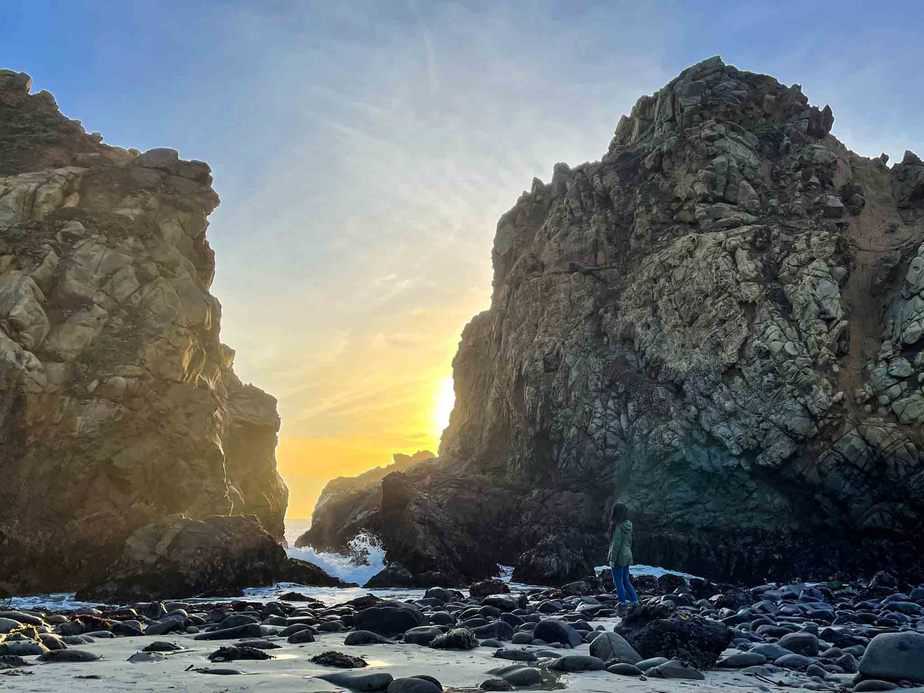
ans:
(364, 151)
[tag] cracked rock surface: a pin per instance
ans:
(720, 323)
(118, 402)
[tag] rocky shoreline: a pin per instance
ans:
(832, 637)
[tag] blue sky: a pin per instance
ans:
(365, 150)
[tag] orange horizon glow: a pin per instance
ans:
(307, 464)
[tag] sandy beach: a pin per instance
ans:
(291, 670)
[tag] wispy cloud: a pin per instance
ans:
(365, 150)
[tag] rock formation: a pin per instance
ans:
(344, 501)
(213, 556)
(720, 324)
(118, 402)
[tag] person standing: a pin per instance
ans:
(620, 553)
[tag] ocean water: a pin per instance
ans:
(364, 559)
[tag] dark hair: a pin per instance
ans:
(620, 513)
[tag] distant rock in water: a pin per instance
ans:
(343, 496)
(118, 402)
(720, 324)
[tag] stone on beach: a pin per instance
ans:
(69, 655)
(365, 637)
(675, 669)
(609, 646)
(455, 639)
(413, 684)
(333, 658)
(359, 681)
(894, 657)
(249, 630)
(577, 662)
(233, 652)
(389, 620)
(554, 631)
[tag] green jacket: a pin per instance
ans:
(620, 553)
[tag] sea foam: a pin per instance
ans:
(364, 559)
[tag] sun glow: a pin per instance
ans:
(445, 399)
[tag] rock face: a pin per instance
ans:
(118, 402)
(720, 324)
(344, 501)
(214, 556)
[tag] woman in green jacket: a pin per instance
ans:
(620, 554)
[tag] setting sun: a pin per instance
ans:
(445, 399)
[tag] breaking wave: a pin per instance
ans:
(364, 559)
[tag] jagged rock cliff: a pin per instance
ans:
(343, 507)
(118, 402)
(721, 324)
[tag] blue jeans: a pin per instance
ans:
(624, 588)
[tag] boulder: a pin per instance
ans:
(394, 575)
(181, 557)
(609, 646)
(486, 588)
(894, 657)
(573, 663)
(365, 637)
(555, 631)
(455, 639)
(675, 669)
(422, 635)
(389, 620)
(414, 684)
(656, 632)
